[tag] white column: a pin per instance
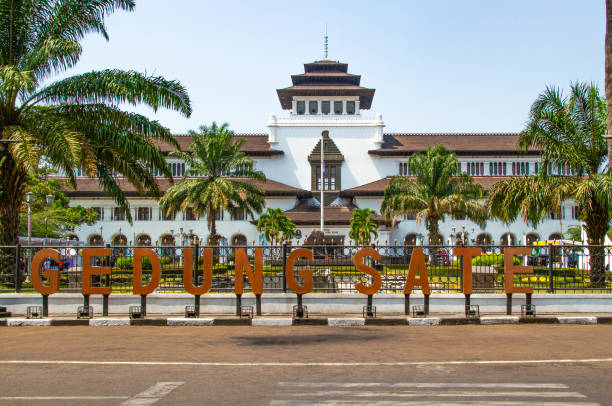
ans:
(343, 106)
(319, 103)
(294, 107)
(307, 107)
(357, 107)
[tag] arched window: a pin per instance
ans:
(239, 239)
(508, 239)
(531, 238)
(95, 239)
(555, 236)
(483, 239)
(143, 240)
(410, 239)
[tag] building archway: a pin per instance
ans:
(119, 239)
(72, 237)
(531, 238)
(95, 239)
(555, 236)
(507, 239)
(411, 239)
(167, 242)
(143, 240)
(483, 239)
(239, 240)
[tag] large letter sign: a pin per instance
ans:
(510, 269)
(467, 254)
(358, 261)
(242, 264)
(417, 263)
(51, 274)
(89, 270)
(188, 272)
(305, 274)
(137, 286)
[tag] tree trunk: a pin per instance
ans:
(13, 189)
(596, 228)
(608, 71)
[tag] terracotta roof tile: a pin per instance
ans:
(255, 144)
(377, 188)
(91, 187)
(334, 215)
(461, 143)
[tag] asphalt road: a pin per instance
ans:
(549, 365)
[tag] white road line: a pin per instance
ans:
(307, 364)
(414, 394)
(517, 385)
(369, 402)
(152, 394)
(62, 397)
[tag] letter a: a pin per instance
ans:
(417, 263)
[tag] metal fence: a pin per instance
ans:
(557, 269)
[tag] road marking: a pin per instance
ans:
(62, 397)
(152, 394)
(308, 364)
(357, 393)
(423, 403)
(414, 394)
(424, 385)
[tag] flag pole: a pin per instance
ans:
(322, 177)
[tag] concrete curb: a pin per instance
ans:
(577, 320)
(109, 322)
(190, 322)
(28, 322)
(427, 321)
(271, 322)
(286, 322)
(499, 320)
(346, 322)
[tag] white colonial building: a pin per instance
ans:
(326, 102)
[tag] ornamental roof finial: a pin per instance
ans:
(325, 42)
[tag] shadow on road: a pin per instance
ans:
(342, 336)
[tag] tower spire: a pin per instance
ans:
(325, 42)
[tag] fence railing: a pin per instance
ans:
(556, 268)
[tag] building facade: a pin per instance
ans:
(326, 108)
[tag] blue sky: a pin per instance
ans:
(436, 65)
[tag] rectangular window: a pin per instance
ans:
(350, 107)
(165, 217)
(332, 178)
(313, 107)
(100, 211)
(239, 214)
(143, 213)
(409, 216)
(219, 215)
(337, 107)
(325, 107)
(318, 174)
(301, 107)
(404, 169)
(189, 215)
(575, 213)
(118, 214)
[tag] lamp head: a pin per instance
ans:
(50, 199)
(29, 197)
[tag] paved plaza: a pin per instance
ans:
(549, 365)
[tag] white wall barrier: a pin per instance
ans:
(282, 303)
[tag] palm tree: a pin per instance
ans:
(569, 132)
(218, 177)
(76, 121)
(275, 226)
(440, 189)
(608, 69)
(363, 225)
